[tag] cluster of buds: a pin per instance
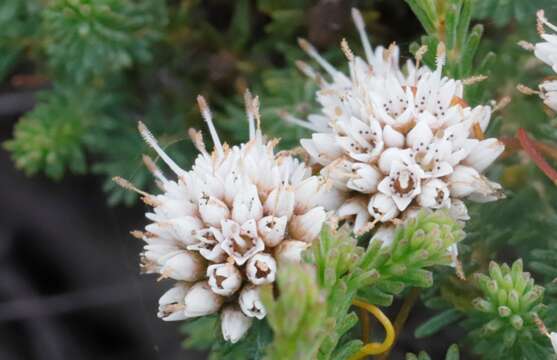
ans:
(221, 229)
(546, 51)
(395, 141)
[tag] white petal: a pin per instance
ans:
(434, 195)
(392, 138)
(484, 154)
(365, 178)
(200, 300)
(290, 250)
(234, 324)
(185, 265)
(307, 227)
(224, 279)
(280, 202)
(272, 229)
(382, 207)
(171, 303)
(250, 303)
(212, 210)
(247, 205)
(261, 269)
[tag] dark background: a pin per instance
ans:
(70, 286)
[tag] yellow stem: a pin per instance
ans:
(374, 348)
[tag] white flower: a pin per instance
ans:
(234, 324)
(546, 51)
(224, 279)
(403, 183)
(290, 250)
(201, 300)
(250, 303)
(171, 304)
(392, 140)
(435, 194)
(223, 224)
(261, 269)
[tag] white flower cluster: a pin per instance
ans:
(394, 141)
(221, 229)
(546, 51)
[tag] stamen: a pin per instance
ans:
(312, 52)
(361, 27)
(152, 142)
(441, 53)
(526, 45)
(255, 107)
(137, 234)
(196, 137)
(248, 100)
(125, 184)
(474, 79)
(206, 114)
(153, 168)
(346, 50)
(526, 90)
(294, 120)
(420, 55)
(310, 72)
(540, 21)
(502, 104)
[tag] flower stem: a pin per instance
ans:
(402, 315)
(373, 348)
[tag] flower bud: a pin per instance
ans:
(234, 324)
(200, 300)
(179, 229)
(280, 202)
(434, 194)
(386, 234)
(458, 210)
(364, 178)
(247, 205)
(171, 303)
(212, 210)
(419, 137)
(185, 266)
(357, 207)
(484, 153)
(382, 207)
(261, 269)
(250, 303)
(271, 229)
(290, 250)
(307, 227)
(463, 181)
(224, 279)
(392, 138)
(390, 156)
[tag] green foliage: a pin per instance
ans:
(421, 243)
(503, 325)
(51, 137)
(298, 316)
(449, 22)
(97, 38)
(377, 273)
(501, 12)
(452, 354)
